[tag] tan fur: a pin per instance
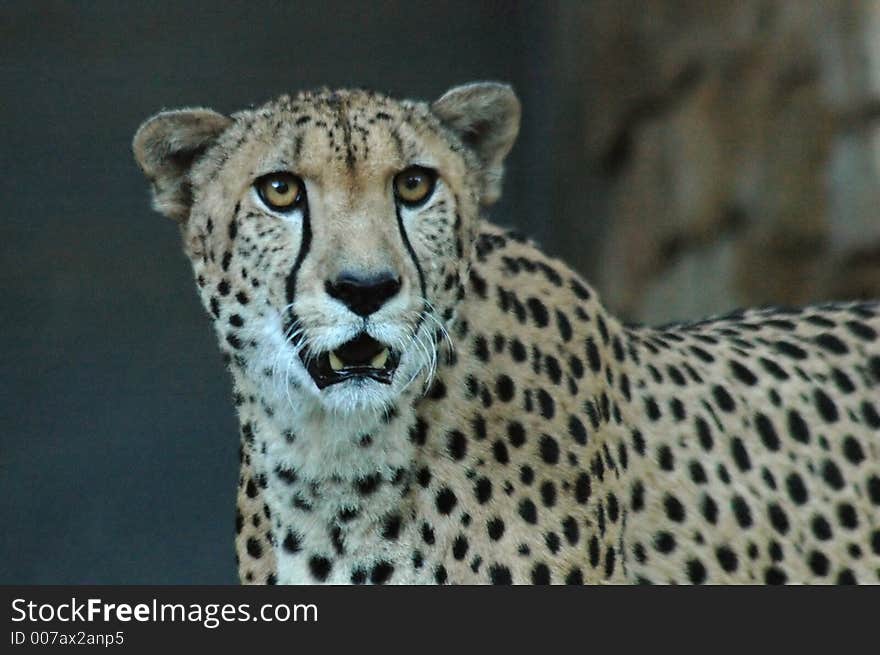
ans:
(577, 449)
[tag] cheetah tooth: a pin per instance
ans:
(380, 360)
(336, 363)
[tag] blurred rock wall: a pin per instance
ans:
(736, 145)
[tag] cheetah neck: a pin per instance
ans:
(319, 476)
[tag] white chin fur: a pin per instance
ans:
(290, 385)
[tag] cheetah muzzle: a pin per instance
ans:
(362, 357)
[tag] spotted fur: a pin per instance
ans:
(528, 436)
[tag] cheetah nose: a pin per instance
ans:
(361, 294)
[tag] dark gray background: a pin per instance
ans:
(117, 435)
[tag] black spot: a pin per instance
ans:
(580, 290)
(727, 558)
(456, 445)
(254, 548)
(874, 489)
(767, 432)
(593, 550)
(819, 564)
(826, 406)
(674, 508)
(540, 574)
(392, 527)
(665, 458)
(368, 484)
(516, 434)
(418, 433)
(773, 369)
(552, 541)
(546, 404)
(428, 534)
(710, 509)
(778, 518)
(609, 562)
(526, 474)
(696, 571)
(832, 344)
(723, 399)
(495, 528)
(481, 348)
(574, 577)
(740, 455)
(652, 408)
(637, 498)
(483, 490)
(638, 442)
(582, 488)
(742, 373)
(500, 574)
(564, 326)
(847, 516)
(499, 451)
(832, 475)
(676, 376)
(319, 567)
(742, 512)
(554, 371)
(445, 500)
(846, 577)
(790, 350)
(528, 511)
(698, 473)
(593, 355)
(518, 350)
(358, 576)
(797, 427)
(796, 489)
(291, 542)
(504, 388)
(460, 547)
(842, 381)
(381, 572)
(821, 528)
(549, 449)
(437, 391)
(440, 574)
(577, 430)
(538, 311)
(548, 493)
(664, 542)
(570, 530)
(704, 432)
(774, 576)
(852, 450)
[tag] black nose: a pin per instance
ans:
(363, 295)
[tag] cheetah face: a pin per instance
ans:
(330, 232)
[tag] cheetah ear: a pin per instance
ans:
(167, 145)
(485, 116)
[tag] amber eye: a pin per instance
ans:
(280, 191)
(413, 185)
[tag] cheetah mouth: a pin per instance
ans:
(362, 357)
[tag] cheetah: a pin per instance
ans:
(427, 398)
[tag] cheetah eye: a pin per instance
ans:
(414, 185)
(280, 191)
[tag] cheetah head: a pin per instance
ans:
(330, 232)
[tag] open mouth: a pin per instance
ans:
(362, 357)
